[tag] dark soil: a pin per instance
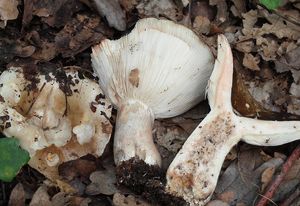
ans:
(146, 180)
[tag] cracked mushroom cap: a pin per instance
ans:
(160, 63)
(57, 116)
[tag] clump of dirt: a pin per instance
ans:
(147, 181)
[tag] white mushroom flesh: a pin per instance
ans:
(194, 172)
(84, 132)
(159, 70)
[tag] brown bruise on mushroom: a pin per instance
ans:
(134, 78)
(53, 121)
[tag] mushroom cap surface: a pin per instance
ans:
(159, 63)
(57, 116)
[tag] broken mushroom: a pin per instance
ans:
(194, 172)
(159, 70)
(57, 116)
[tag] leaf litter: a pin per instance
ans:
(266, 48)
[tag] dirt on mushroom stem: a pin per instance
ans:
(146, 180)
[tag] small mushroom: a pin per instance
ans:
(57, 116)
(194, 172)
(159, 70)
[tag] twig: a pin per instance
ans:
(291, 198)
(275, 184)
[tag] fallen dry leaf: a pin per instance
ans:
(249, 20)
(202, 24)
(296, 202)
(8, 11)
(80, 201)
(79, 34)
(55, 13)
(291, 58)
(288, 59)
(41, 197)
(46, 52)
(45, 49)
(240, 180)
(251, 62)
(56, 30)
(239, 6)
(286, 47)
(295, 90)
(266, 177)
(202, 8)
(294, 106)
(232, 155)
(285, 189)
(159, 8)
(294, 172)
(122, 200)
(242, 99)
(128, 5)
(222, 12)
(61, 199)
(103, 182)
(217, 203)
(10, 49)
(170, 137)
(267, 48)
(268, 92)
(277, 26)
(246, 46)
(77, 168)
(113, 13)
(17, 196)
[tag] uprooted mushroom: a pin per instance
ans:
(194, 172)
(57, 116)
(159, 70)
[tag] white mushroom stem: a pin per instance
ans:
(268, 133)
(194, 172)
(133, 136)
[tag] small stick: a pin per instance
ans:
(275, 184)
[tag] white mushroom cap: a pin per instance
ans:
(58, 118)
(161, 65)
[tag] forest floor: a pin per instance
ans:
(266, 49)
